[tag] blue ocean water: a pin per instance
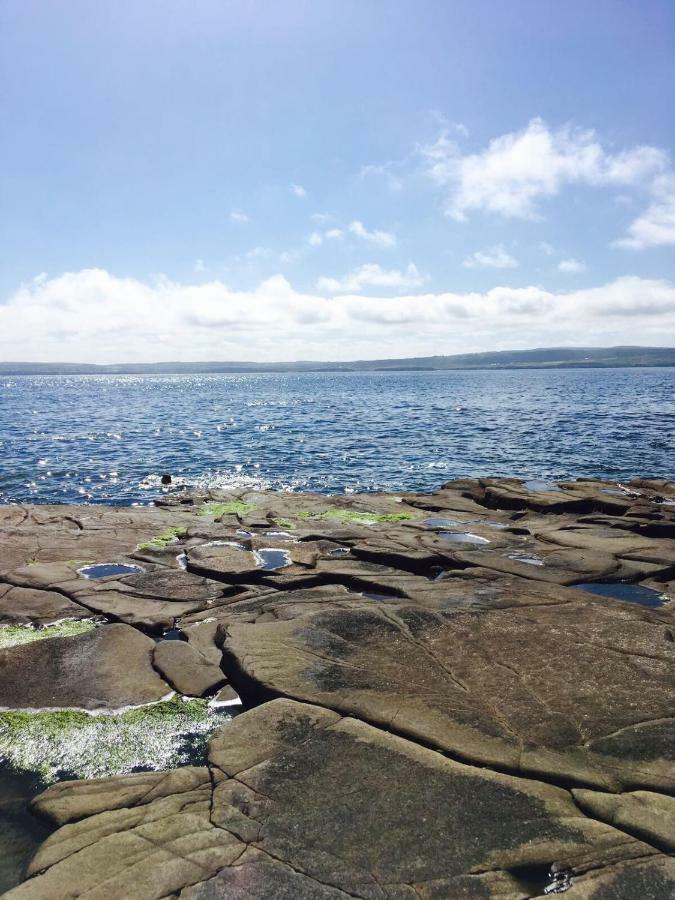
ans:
(108, 439)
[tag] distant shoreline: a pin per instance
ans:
(543, 358)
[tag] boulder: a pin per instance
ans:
(186, 669)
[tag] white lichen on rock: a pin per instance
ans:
(76, 744)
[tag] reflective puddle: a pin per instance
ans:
(271, 558)
(627, 593)
(105, 570)
(173, 634)
(529, 559)
(462, 537)
(442, 523)
(233, 544)
(535, 485)
(281, 536)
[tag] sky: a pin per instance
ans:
(334, 179)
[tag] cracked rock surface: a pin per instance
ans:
(459, 694)
(298, 797)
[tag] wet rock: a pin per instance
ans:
(107, 668)
(186, 669)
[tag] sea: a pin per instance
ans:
(109, 438)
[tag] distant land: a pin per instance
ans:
(543, 358)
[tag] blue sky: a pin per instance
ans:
(289, 179)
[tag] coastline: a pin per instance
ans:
(417, 671)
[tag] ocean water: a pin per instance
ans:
(108, 439)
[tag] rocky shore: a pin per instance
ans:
(463, 694)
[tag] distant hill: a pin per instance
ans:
(544, 358)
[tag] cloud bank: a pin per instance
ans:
(94, 316)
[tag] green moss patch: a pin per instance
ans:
(13, 635)
(73, 744)
(232, 507)
(356, 517)
(283, 523)
(168, 536)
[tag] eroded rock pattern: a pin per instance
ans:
(460, 694)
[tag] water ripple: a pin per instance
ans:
(103, 439)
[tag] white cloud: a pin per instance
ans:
(377, 238)
(515, 171)
(91, 315)
(259, 253)
(316, 238)
(656, 226)
(390, 172)
(239, 217)
(372, 275)
(572, 266)
(321, 218)
(287, 257)
(493, 258)
(546, 248)
(200, 266)
(298, 190)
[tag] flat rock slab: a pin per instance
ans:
(104, 669)
(577, 691)
(303, 803)
(27, 606)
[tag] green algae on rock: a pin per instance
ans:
(357, 517)
(80, 745)
(231, 507)
(162, 540)
(283, 523)
(13, 635)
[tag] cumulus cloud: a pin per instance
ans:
(572, 266)
(372, 275)
(94, 316)
(656, 226)
(376, 238)
(494, 258)
(298, 190)
(239, 217)
(517, 170)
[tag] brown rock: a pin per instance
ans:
(186, 669)
(107, 668)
